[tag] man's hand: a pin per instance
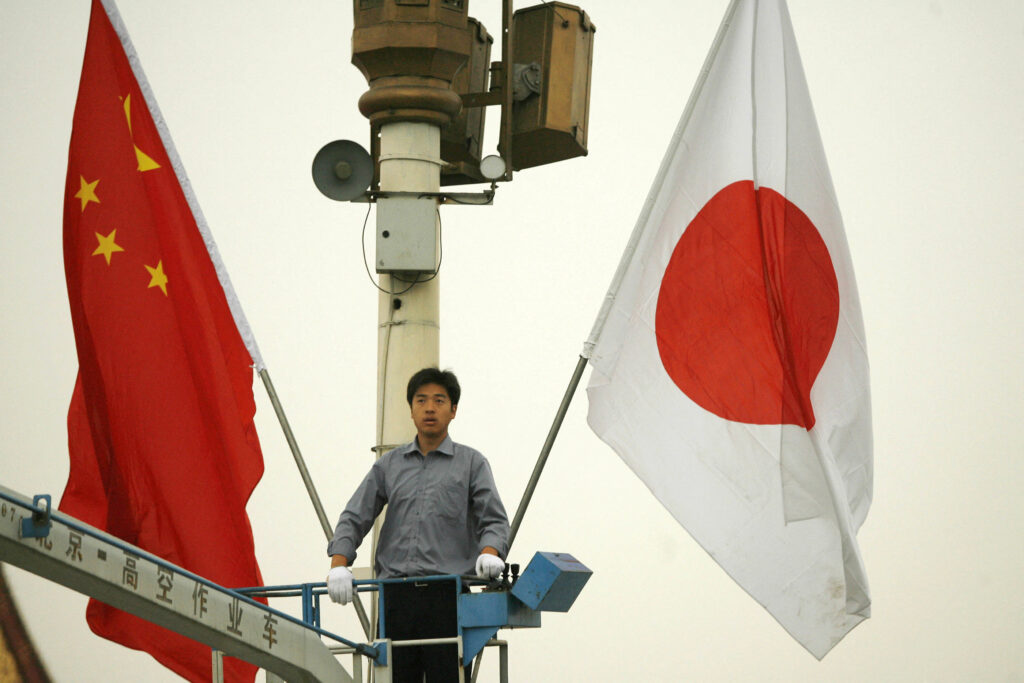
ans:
(339, 584)
(489, 566)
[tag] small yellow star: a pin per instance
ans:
(158, 278)
(87, 192)
(127, 99)
(107, 245)
(146, 162)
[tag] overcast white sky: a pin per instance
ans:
(921, 109)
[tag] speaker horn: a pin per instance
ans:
(342, 170)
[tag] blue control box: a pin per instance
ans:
(551, 582)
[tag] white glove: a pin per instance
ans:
(489, 566)
(339, 584)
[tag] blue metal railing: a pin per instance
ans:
(311, 592)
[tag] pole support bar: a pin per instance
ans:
(314, 497)
(546, 450)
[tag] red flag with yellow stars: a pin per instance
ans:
(164, 453)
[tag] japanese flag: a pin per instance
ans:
(731, 371)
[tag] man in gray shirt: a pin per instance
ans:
(444, 513)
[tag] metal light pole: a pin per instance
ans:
(409, 55)
(426, 62)
(408, 333)
(408, 314)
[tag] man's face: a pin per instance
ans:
(432, 410)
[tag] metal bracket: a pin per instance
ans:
(38, 525)
(484, 198)
(527, 81)
(381, 646)
(482, 99)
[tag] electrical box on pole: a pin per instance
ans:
(406, 239)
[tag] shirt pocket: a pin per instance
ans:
(453, 499)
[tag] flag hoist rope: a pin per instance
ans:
(620, 272)
(222, 275)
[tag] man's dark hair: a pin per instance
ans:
(446, 378)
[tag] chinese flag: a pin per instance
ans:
(163, 449)
(731, 374)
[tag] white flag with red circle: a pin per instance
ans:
(731, 371)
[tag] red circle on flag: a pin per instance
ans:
(748, 308)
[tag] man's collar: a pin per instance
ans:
(447, 447)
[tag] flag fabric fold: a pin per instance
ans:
(164, 452)
(730, 371)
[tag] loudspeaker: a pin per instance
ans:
(342, 170)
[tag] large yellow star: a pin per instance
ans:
(158, 279)
(87, 192)
(107, 245)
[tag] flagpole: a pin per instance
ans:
(296, 453)
(546, 449)
(659, 180)
(314, 497)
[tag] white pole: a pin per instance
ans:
(408, 333)
(408, 336)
